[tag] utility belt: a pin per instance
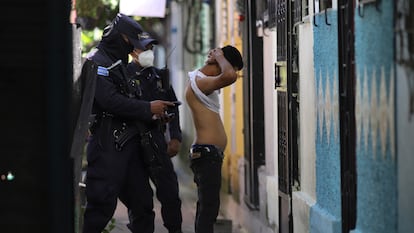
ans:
(110, 126)
(122, 132)
(205, 150)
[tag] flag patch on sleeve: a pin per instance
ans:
(103, 71)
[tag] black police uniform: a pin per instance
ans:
(151, 85)
(115, 172)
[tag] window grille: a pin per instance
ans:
(281, 12)
(305, 7)
(283, 155)
(272, 13)
(297, 11)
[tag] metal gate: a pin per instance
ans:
(284, 176)
(254, 110)
(288, 16)
(347, 112)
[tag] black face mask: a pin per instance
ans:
(126, 47)
(115, 46)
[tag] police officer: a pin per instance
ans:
(154, 84)
(115, 169)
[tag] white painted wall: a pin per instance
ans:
(270, 123)
(405, 149)
(307, 110)
(178, 68)
(270, 103)
(303, 199)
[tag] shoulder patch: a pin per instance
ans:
(103, 71)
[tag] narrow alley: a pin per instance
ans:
(319, 124)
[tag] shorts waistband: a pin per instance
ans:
(201, 150)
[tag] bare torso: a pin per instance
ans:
(208, 125)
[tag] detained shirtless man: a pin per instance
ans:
(206, 153)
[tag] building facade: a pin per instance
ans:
(321, 122)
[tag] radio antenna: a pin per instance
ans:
(168, 56)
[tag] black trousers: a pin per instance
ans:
(206, 166)
(167, 191)
(113, 174)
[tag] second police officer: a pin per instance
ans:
(115, 168)
(154, 84)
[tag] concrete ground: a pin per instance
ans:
(188, 194)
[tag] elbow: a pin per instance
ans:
(231, 75)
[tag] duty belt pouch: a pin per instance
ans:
(123, 136)
(151, 151)
(92, 123)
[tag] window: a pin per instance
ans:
(321, 5)
(281, 24)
